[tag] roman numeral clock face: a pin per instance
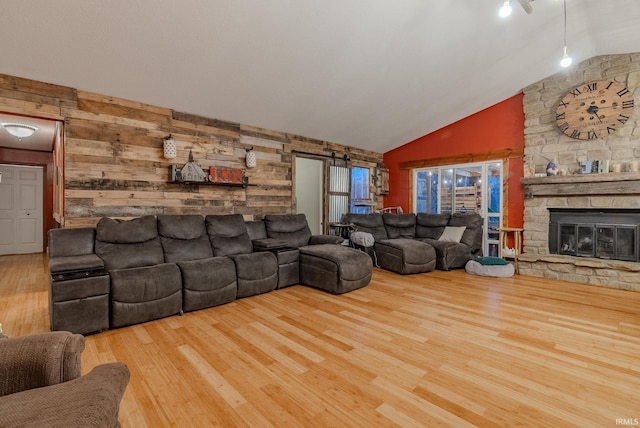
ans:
(594, 110)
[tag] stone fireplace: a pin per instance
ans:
(574, 224)
(572, 191)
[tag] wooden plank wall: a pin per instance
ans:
(114, 164)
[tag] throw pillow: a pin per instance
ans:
(452, 233)
(491, 261)
(363, 239)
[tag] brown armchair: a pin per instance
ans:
(41, 385)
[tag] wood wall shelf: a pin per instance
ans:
(210, 183)
(617, 183)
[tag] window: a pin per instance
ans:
(348, 191)
(360, 201)
(338, 192)
(466, 188)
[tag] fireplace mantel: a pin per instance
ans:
(624, 183)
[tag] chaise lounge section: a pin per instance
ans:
(324, 265)
(394, 248)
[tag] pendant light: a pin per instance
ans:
(566, 59)
(505, 10)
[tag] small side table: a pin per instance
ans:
(341, 229)
(517, 243)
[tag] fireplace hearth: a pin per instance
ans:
(599, 233)
(598, 242)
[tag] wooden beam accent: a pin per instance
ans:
(625, 183)
(464, 158)
(433, 349)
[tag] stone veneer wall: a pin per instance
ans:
(544, 142)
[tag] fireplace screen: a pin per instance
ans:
(617, 239)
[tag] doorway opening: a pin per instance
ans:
(44, 150)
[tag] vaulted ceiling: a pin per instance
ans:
(373, 74)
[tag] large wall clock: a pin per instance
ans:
(594, 110)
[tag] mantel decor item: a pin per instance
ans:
(169, 147)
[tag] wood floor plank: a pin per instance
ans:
(435, 349)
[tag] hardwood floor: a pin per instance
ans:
(436, 349)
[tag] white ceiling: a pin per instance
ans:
(373, 74)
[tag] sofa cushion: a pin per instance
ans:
(449, 255)
(431, 225)
(472, 235)
(452, 233)
(125, 244)
(334, 268)
(228, 235)
(369, 223)
(400, 225)
(145, 293)
(208, 282)
(291, 228)
(117, 231)
(184, 226)
(256, 229)
(183, 238)
(256, 273)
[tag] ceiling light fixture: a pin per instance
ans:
(566, 59)
(505, 10)
(20, 130)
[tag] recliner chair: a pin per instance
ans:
(41, 385)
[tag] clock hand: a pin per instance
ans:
(593, 110)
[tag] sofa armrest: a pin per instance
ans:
(71, 242)
(325, 239)
(92, 400)
(84, 263)
(39, 360)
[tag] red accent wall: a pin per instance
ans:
(498, 127)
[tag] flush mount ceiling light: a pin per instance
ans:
(20, 130)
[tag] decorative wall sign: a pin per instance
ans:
(227, 175)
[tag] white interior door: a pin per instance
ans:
(309, 190)
(21, 195)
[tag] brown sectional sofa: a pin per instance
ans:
(127, 272)
(410, 243)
